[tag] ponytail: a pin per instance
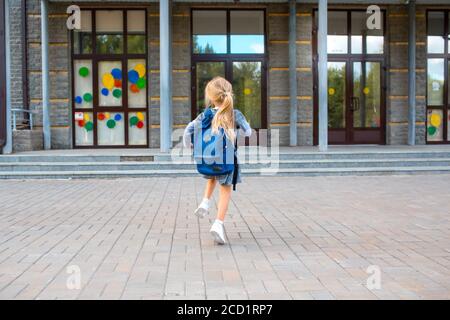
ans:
(224, 117)
(219, 91)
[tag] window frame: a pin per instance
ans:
(445, 107)
(96, 58)
(228, 32)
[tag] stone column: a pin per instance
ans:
(293, 72)
(165, 50)
(323, 75)
(412, 73)
(45, 76)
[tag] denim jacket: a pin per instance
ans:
(239, 120)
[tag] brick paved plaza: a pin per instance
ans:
(290, 238)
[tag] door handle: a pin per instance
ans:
(354, 104)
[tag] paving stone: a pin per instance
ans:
(308, 238)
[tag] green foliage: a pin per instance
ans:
(110, 44)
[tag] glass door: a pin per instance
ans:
(337, 102)
(356, 97)
(365, 103)
(204, 72)
(354, 102)
(247, 81)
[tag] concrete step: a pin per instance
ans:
(394, 154)
(161, 165)
(249, 172)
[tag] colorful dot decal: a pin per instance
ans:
(117, 93)
(434, 123)
(137, 120)
(435, 120)
(136, 78)
(140, 116)
(141, 83)
(84, 72)
(78, 100)
(432, 130)
(108, 81)
(134, 88)
(87, 97)
(111, 123)
(140, 69)
(112, 82)
(133, 76)
(89, 126)
(116, 73)
(133, 121)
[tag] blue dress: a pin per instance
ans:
(240, 122)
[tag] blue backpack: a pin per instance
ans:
(214, 153)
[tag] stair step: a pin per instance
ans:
(250, 172)
(282, 156)
(162, 165)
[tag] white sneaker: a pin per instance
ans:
(202, 210)
(218, 232)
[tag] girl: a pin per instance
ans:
(219, 96)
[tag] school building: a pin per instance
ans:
(321, 72)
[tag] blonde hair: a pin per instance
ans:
(219, 92)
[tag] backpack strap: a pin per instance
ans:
(236, 168)
(236, 164)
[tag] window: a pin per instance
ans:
(435, 37)
(348, 33)
(228, 31)
(109, 31)
(136, 31)
(110, 79)
(210, 31)
(364, 40)
(247, 31)
(337, 39)
(438, 68)
(83, 38)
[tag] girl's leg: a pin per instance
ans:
(203, 208)
(224, 200)
(217, 229)
(210, 185)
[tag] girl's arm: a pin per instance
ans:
(189, 131)
(243, 124)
